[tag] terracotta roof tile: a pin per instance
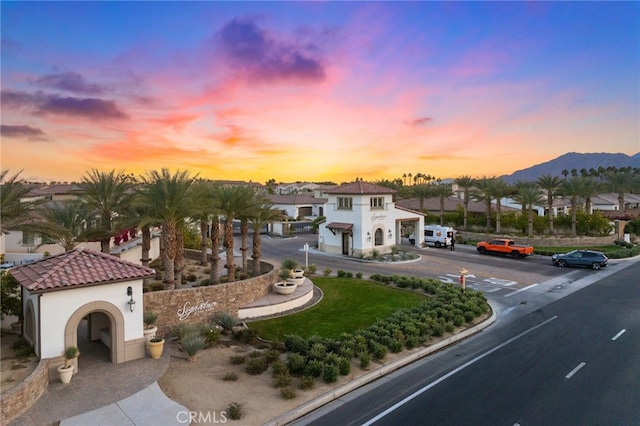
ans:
(360, 187)
(77, 268)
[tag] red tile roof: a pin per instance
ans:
(77, 268)
(360, 187)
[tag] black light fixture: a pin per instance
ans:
(368, 236)
(390, 234)
(131, 302)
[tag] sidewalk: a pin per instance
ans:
(105, 387)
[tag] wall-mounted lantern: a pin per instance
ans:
(131, 302)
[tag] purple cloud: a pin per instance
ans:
(253, 51)
(23, 132)
(42, 103)
(85, 107)
(71, 82)
(420, 122)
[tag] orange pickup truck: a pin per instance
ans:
(504, 246)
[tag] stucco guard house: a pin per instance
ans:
(58, 292)
(362, 217)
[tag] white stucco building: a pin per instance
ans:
(58, 292)
(362, 217)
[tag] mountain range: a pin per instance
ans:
(574, 160)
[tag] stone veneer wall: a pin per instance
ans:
(20, 398)
(545, 241)
(204, 302)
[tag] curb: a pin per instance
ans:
(342, 390)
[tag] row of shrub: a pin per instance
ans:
(448, 308)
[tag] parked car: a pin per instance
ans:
(587, 258)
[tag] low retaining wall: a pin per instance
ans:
(198, 304)
(545, 241)
(20, 398)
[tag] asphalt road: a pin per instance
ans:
(489, 273)
(568, 355)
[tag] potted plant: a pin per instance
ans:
(66, 370)
(285, 286)
(149, 318)
(156, 346)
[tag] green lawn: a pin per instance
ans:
(349, 304)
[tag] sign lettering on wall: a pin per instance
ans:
(380, 217)
(199, 308)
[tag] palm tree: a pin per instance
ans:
(550, 184)
(233, 202)
(64, 222)
(15, 213)
(499, 189)
(528, 194)
(621, 181)
(422, 192)
(481, 193)
(590, 189)
(465, 182)
(169, 202)
(442, 191)
(107, 196)
(573, 189)
(261, 215)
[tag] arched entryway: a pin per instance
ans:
(104, 322)
(29, 323)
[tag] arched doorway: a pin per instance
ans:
(29, 323)
(104, 323)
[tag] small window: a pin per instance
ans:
(345, 203)
(28, 238)
(377, 202)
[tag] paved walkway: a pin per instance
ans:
(98, 384)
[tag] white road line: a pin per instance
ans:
(518, 291)
(575, 370)
(453, 372)
(620, 333)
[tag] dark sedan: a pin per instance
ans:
(586, 258)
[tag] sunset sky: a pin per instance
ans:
(315, 91)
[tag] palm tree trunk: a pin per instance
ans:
(169, 255)
(498, 209)
(146, 248)
(550, 208)
(215, 250)
(441, 211)
(466, 212)
(244, 232)
(203, 242)
(530, 218)
(228, 244)
(574, 214)
(105, 245)
(179, 260)
(257, 252)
